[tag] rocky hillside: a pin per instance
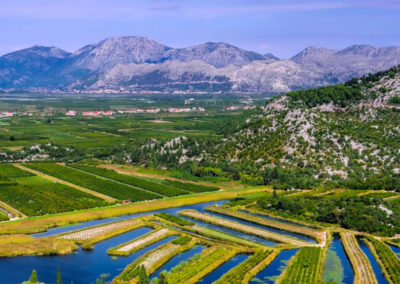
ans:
(138, 63)
(344, 135)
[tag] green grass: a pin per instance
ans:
(174, 219)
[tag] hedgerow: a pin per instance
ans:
(196, 188)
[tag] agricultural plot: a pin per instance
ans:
(89, 236)
(153, 260)
(387, 259)
(363, 273)
(200, 265)
(318, 235)
(141, 242)
(304, 268)
(239, 273)
(8, 171)
(162, 189)
(35, 196)
(242, 228)
(195, 188)
(92, 182)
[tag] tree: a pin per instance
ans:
(162, 279)
(33, 278)
(58, 276)
(143, 279)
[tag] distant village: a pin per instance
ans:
(95, 113)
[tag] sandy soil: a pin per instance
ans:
(144, 240)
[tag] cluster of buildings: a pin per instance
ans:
(247, 107)
(136, 110)
(6, 114)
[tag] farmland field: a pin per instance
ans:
(105, 186)
(35, 196)
(305, 267)
(157, 188)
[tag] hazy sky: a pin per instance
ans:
(282, 27)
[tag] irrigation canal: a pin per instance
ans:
(84, 267)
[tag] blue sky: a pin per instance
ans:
(282, 27)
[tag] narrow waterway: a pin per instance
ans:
(81, 267)
(396, 250)
(269, 274)
(337, 266)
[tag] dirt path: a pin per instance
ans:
(51, 178)
(243, 228)
(98, 231)
(363, 273)
(12, 210)
(147, 239)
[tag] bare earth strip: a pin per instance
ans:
(363, 273)
(145, 240)
(243, 228)
(12, 210)
(51, 178)
(161, 253)
(98, 231)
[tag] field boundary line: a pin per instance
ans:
(363, 273)
(12, 210)
(113, 180)
(77, 187)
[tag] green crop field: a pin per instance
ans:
(304, 268)
(9, 171)
(36, 196)
(388, 259)
(132, 180)
(92, 182)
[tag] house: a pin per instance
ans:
(71, 113)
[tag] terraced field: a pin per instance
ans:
(363, 273)
(242, 228)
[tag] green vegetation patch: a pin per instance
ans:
(196, 188)
(175, 219)
(182, 240)
(238, 273)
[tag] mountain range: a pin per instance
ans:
(131, 63)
